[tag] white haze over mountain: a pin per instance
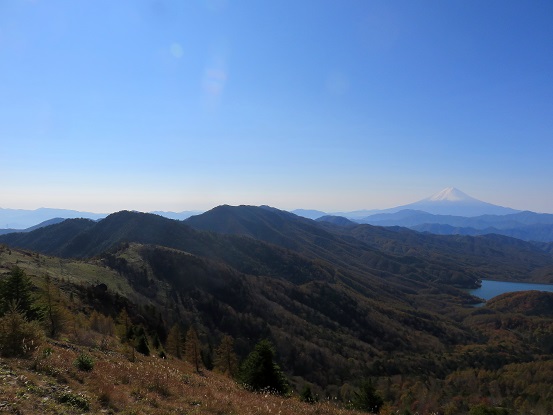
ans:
(449, 201)
(452, 212)
(22, 219)
(452, 201)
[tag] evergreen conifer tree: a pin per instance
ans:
(17, 289)
(260, 372)
(18, 337)
(366, 398)
(142, 345)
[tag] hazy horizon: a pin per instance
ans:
(262, 204)
(317, 104)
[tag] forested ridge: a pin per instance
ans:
(341, 305)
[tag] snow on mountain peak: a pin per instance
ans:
(452, 201)
(450, 194)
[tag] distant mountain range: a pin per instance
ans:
(449, 201)
(452, 201)
(447, 212)
(32, 228)
(23, 219)
(452, 212)
(20, 220)
(528, 226)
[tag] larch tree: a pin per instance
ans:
(193, 348)
(54, 314)
(226, 361)
(174, 343)
(124, 325)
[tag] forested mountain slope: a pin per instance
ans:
(447, 258)
(338, 307)
(313, 247)
(491, 256)
(363, 251)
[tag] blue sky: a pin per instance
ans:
(325, 104)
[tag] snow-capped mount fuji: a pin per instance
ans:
(452, 212)
(447, 202)
(451, 194)
(452, 201)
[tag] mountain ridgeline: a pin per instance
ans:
(259, 241)
(341, 301)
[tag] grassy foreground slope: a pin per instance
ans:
(50, 383)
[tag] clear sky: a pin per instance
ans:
(323, 104)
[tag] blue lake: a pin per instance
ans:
(490, 289)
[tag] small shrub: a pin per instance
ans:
(84, 362)
(307, 396)
(78, 400)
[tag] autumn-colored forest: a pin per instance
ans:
(346, 325)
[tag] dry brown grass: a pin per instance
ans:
(51, 384)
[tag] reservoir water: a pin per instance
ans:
(490, 289)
